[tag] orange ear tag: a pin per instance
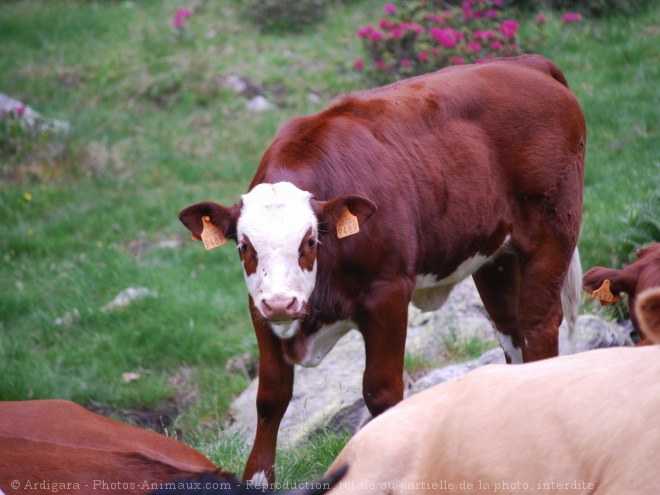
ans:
(212, 236)
(604, 295)
(347, 224)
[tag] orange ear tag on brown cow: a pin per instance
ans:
(347, 224)
(212, 236)
(604, 295)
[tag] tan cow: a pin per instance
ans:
(587, 423)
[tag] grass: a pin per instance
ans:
(87, 216)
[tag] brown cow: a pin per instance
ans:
(580, 424)
(473, 170)
(56, 445)
(49, 446)
(637, 277)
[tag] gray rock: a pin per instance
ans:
(440, 375)
(319, 394)
(30, 119)
(259, 104)
(127, 297)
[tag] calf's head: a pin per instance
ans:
(635, 278)
(278, 229)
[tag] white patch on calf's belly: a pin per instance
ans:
(321, 342)
(431, 293)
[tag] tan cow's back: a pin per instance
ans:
(47, 443)
(589, 421)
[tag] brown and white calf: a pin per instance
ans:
(396, 194)
(580, 424)
(634, 279)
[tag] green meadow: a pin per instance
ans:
(155, 128)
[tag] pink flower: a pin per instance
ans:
(359, 64)
(497, 2)
(405, 63)
(375, 36)
(396, 33)
(571, 17)
(365, 31)
(20, 110)
(540, 18)
(384, 24)
(457, 61)
(445, 36)
(474, 46)
(380, 64)
(180, 16)
(423, 56)
(495, 45)
(389, 8)
(509, 28)
(491, 13)
(435, 18)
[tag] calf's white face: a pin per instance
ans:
(277, 235)
(276, 228)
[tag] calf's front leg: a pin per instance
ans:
(384, 325)
(273, 397)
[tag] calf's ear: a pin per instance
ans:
(223, 217)
(330, 212)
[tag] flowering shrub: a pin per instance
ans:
(178, 21)
(571, 17)
(418, 37)
(180, 16)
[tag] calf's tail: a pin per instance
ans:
(571, 296)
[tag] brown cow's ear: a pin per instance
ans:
(330, 213)
(619, 281)
(223, 217)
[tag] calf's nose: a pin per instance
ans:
(280, 308)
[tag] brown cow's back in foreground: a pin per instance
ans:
(47, 442)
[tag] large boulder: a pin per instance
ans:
(331, 394)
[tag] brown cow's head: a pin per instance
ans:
(637, 277)
(277, 228)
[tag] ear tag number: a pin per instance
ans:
(604, 295)
(212, 236)
(347, 224)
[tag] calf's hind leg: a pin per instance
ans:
(522, 294)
